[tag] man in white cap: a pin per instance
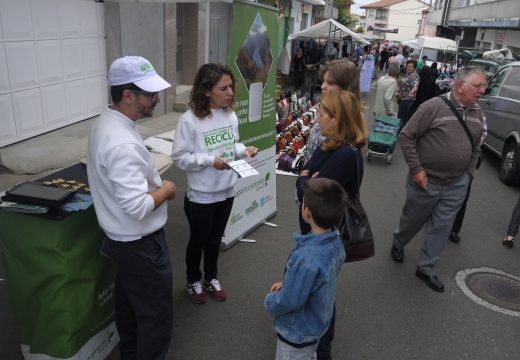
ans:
(131, 206)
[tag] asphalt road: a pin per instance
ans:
(383, 310)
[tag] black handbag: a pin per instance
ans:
(355, 230)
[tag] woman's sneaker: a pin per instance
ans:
(215, 290)
(196, 293)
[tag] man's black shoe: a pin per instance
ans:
(454, 237)
(397, 254)
(431, 281)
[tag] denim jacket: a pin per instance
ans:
(303, 307)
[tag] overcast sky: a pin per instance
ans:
(355, 8)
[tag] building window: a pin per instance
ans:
(381, 15)
(303, 24)
(371, 13)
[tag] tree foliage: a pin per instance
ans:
(344, 18)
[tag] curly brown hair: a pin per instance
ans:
(206, 79)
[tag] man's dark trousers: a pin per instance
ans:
(144, 298)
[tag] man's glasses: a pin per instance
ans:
(477, 86)
(151, 95)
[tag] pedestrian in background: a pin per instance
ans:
(512, 229)
(406, 93)
(442, 161)
(302, 304)
(386, 89)
(338, 158)
(367, 68)
(426, 90)
(298, 69)
(131, 207)
(206, 139)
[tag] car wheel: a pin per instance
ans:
(509, 165)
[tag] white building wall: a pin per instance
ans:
(405, 16)
(486, 39)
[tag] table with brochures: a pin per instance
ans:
(60, 286)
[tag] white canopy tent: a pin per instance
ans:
(327, 29)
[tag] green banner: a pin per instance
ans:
(253, 53)
(254, 50)
(60, 286)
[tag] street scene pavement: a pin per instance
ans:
(383, 310)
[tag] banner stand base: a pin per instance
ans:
(226, 243)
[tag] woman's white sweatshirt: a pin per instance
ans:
(197, 142)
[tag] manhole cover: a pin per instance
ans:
(492, 288)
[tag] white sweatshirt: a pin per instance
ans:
(197, 142)
(121, 174)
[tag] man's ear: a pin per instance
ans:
(127, 97)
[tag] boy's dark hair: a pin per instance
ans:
(326, 199)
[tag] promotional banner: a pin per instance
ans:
(60, 286)
(254, 49)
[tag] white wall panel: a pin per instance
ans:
(76, 100)
(70, 18)
(95, 89)
(52, 65)
(16, 19)
(54, 105)
(92, 56)
(22, 64)
(49, 61)
(89, 18)
(4, 74)
(7, 122)
(72, 57)
(28, 111)
(45, 19)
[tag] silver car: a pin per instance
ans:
(501, 104)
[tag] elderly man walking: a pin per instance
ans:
(441, 145)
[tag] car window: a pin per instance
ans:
(511, 86)
(494, 84)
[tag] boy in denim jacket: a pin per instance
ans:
(302, 303)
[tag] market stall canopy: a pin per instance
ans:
(436, 43)
(327, 29)
(411, 43)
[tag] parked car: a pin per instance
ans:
(490, 66)
(501, 105)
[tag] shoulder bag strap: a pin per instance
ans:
(459, 117)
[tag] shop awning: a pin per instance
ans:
(327, 29)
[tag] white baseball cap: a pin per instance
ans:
(137, 70)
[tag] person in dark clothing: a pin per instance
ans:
(313, 58)
(299, 69)
(427, 89)
(383, 59)
(435, 71)
(338, 158)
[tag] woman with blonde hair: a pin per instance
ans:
(338, 158)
